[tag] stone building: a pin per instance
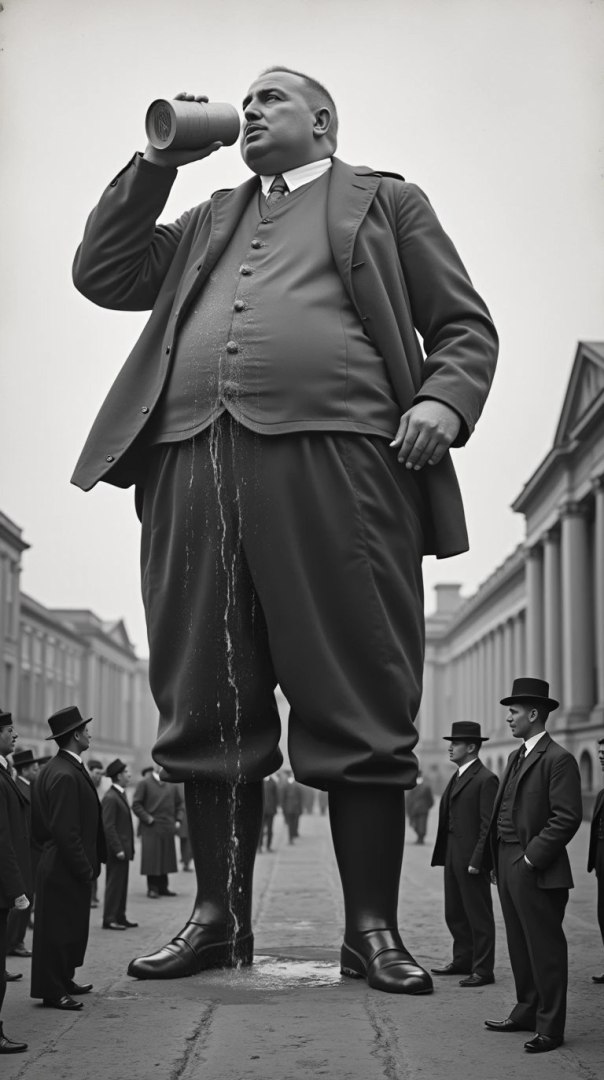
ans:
(541, 613)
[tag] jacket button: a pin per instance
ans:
(266, 221)
(245, 270)
(239, 305)
(145, 409)
(110, 458)
(232, 347)
(256, 244)
(167, 350)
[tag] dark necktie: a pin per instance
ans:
(519, 759)
(278, 190)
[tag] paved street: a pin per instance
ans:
(291, 1016)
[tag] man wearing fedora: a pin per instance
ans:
(463, 825)
(15, 865)
(66, 819)
(595, 857)
(537, 812)
(119, 840)
(27, 768)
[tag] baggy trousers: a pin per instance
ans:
(536, 943)
(293, 559)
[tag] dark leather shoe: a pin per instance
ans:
(541, 1044)
(380, 957)
(450, 969)
(13, 977)
(20, 950)
(477, 980)
(597, 978)
(66, 1003)
(128, 925)
(167, 892)
(197, 948)
(8, 1046)
(153, 894)
(504, 1025)
(113, 926)
(79, 988)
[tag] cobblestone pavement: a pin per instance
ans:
(291, 1016)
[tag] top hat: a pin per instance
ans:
(115, 768)
(468, 730)
(66, 720)
(6, 718)
(24, 757)
(533, 690)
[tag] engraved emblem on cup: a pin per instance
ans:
(191, 125)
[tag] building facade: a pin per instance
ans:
(541, 613)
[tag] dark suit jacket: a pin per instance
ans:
(66, 817)
(547, 811)
(469, 805)
(117, 824)
(382, 231)
(593, 833)
(15, 861)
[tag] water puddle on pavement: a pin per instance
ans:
(282, 973)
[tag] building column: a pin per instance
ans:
(534, 613)
(577, 636)
(599, 584)
(508, 656)
(552, 612)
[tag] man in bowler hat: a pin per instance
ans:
(595, 858)
(463, 825)
(15, 865)
(66, 818)
(289, 446)
(119, 841)
(27, 768)
(537, 812)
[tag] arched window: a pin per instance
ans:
(587, 771)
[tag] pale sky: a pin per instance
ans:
(494, 107)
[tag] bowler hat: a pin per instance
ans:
(21, 758)
(468, 730)
(533, 690)
(6, 718)
(147, 769)
(94, 764)
(66, 720)
(115, 767)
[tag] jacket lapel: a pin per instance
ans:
(9, 780)
(465, 779)
(351, 192)
(533, 757)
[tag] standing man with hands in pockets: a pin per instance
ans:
(289, 447)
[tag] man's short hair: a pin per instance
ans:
(63, 740)
(319, 95)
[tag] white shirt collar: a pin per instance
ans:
(118, 787)
(24, 781)
(462, 768)
(157, 776)
(295, 178)
(530, 743)
(4, 762)
(76, 756)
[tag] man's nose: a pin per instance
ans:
(252, 111)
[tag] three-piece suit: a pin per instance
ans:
(279, 495)
(543, 797)
(66, 820)
(15, 865)
(464, 817)
(595, 857)
(119, 837)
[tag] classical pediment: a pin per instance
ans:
(585, 394)
(118, 633)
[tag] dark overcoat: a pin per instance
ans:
(117, 824)
(15, 862)
(158, 806)
(398, 266)
(35, 846)
(66, 820)
(592, 860)
(546, 812)
(467, 817)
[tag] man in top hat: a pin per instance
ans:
(95, 770)
(119, 840)
(15, 865)
(463, 825)
(27, 768)
(282, 344)
(595, 858)
(537, 812)
(66, 819)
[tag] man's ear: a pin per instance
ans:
(322, 122)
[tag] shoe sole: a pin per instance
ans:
(222, 954)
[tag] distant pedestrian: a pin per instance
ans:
(66, 818)
(159, 807)
(27, 768)
(323, 801)
(15, 866)
(119, 840)
(270, 803)
(183, 836)
(537, 812)
(418, 803)
(291, 803)
(463, 825)
(595, 859)
(95, 768)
